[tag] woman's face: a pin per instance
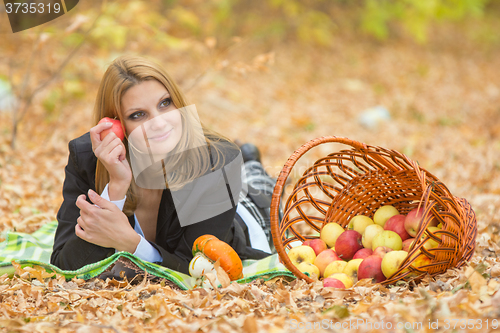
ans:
(152, 121)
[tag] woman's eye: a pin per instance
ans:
(166, 102)
(136, 115)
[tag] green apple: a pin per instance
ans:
(370, 231)
(359, 223)
(391, 262)
(389, 239)
(330, 232)
(383, 214)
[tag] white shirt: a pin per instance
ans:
(144, 250)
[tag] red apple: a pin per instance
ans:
(317, 244)
(407, 243)
(397, 224)
(348, 243)
(381, 251)
(363, 253)
(412, 221)
(333, 282)
(116, 128)
(324, 259)
(371, 268)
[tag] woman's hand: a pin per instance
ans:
(112, 154)
(105, 225)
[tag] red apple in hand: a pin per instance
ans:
(397, 224)
(116, 128)
(348, 243)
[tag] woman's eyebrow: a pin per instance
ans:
(165, 95)
(139, 108)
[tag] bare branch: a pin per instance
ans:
(29, 99)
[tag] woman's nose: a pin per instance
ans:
(158, 122)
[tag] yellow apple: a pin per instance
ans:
(388, 239)
(371, 231)
(352, 268)
(301, 253)
(431, 243)
(420, 260)
(307, 267)
(383, 214)
(391, 262)
(335, 267)
(359, 223)
(344, 278)
(324, 259)
(330, 232)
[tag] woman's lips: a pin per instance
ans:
(160, 137)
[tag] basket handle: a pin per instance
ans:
(278, 188)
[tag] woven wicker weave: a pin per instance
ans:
(359, 180)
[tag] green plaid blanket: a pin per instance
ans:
(35, 249)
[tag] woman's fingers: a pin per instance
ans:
(81, 222)
(82, 203)
(118, 151)
(80, 228)
(95, 133)
(88, 211)
(100, 149)
(107, 152)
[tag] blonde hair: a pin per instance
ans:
(128, 71)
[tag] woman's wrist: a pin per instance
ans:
(131, 243)
(117, 190)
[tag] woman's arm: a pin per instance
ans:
(69, 251)
(74, 249)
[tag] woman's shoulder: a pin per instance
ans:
(81, 154)
(82, 144)
(222, 150)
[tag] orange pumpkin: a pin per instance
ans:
(216, 249)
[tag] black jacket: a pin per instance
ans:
(172, 241)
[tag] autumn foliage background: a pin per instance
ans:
(276, 73)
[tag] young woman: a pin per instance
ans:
(168, 182)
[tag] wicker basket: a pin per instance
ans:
(359, 181)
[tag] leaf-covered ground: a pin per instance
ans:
(444, 103)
